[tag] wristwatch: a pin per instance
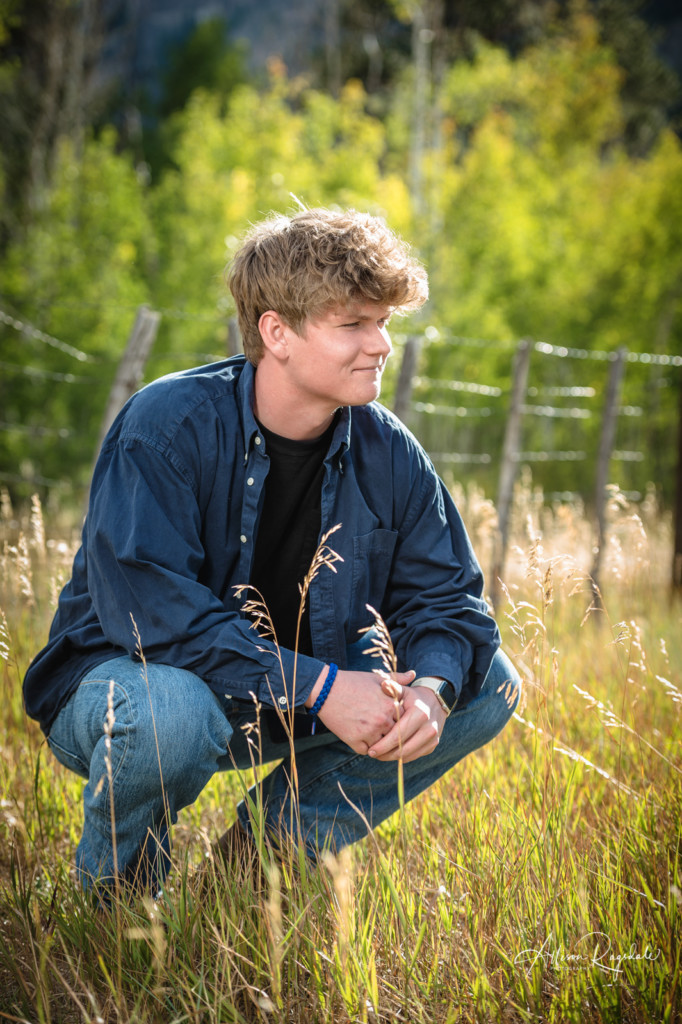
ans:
(444, 691)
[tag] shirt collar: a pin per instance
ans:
(341, 436)
(245, 391)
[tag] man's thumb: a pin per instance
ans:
(391, 688)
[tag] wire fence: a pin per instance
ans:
(432, 398)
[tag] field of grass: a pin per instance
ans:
(540, 881)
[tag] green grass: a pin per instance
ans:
(538, 881)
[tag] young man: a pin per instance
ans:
(230, 474)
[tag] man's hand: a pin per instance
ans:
(418, 729)
(360, 709)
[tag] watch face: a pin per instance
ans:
(446, 692)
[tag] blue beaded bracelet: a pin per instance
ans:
(324, 692)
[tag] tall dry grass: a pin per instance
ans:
(538, 881)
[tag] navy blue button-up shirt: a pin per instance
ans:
(171, 530)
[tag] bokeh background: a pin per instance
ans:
(529, 151)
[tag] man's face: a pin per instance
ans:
(339, 358)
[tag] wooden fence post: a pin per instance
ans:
(509, 465)
(408, 370)
(131, 367)
(608, 433)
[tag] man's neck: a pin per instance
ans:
(280, 413)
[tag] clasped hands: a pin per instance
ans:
(382, 716)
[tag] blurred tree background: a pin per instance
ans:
(528, 151)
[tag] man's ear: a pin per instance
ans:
(274, 333)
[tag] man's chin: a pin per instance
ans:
(366, 400)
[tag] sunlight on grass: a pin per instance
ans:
(538, 881)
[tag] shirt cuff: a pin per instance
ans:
(443, 666)
(300, 675)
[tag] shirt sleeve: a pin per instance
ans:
(144, 563)
(439, 622)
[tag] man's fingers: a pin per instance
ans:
(412, 736)
(392, 689)
(417, 746)
(393, 686)
(397, 738)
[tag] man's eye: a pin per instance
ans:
(355, 324)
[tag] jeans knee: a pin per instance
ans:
(186, 740)
(161, 764)
(167, 726)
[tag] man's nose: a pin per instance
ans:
(380, 341)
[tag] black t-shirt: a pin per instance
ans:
(288, 535)
(289, 530)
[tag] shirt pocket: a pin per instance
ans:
(372, 562)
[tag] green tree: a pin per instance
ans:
(649, 88)
(47, 51)
(209, 60)
(550, 228)
(77, 273)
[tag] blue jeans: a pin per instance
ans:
(169, 733)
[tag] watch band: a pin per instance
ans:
(443, 690)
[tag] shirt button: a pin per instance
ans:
(282, 702)
(249, 482)
(243, 539)
(257, 441)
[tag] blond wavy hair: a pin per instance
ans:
(304, 265)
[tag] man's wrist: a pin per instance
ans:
(317, 687)
(442, 689)
(325, 691)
